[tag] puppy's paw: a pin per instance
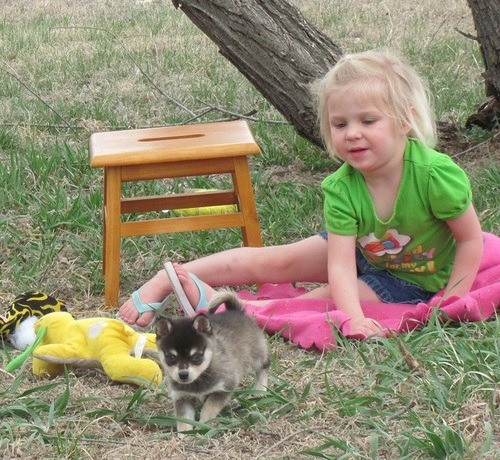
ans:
(181, 427)
(261, 381)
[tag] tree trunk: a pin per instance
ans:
(274, 47)
(486, 16)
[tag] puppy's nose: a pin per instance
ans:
(183, 375)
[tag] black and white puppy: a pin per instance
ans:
(206, 357)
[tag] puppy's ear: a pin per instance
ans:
(163, 327)
(202, 324)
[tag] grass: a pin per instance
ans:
(73, 68)
(361, 401)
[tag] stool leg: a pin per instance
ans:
(112, 223)
(242, 184)
(104, 206)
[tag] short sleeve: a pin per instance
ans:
(338, 210)
(449, 189)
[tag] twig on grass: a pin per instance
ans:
(433, 36)
(7, 373)
(39, 125)
(401, 411)
(246, 116)
(14, 75)
(466, 35)
(203, 113)
(476, 146)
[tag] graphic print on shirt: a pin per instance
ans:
(388, 252)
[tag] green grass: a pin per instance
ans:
(427, 412)
(72, 68)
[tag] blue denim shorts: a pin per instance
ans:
(386, 286)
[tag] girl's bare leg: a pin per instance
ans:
(303, 261)
(192, 292)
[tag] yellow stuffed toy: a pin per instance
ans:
(204, 210)
(94, 342)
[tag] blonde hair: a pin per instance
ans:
(388, 79)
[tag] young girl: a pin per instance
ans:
(399, 218)
(401, 225)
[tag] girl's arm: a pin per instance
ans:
(467, 232)
(343, 282)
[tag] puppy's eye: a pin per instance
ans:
(197, 358)
(170, 359)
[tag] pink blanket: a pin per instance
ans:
(309, 322)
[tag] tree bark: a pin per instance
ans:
(274, 47)
(486, 16)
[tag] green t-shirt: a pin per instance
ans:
(415, 244)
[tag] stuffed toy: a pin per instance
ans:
(16, 326)
(203, 210)
(92, 342)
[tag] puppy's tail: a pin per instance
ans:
(228, 298)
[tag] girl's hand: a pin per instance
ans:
(366, 327)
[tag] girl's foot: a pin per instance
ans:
(192, 289)
(154, 290)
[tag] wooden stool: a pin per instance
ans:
(169, 152)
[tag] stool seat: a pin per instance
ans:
(172, 152)
(172, 144)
